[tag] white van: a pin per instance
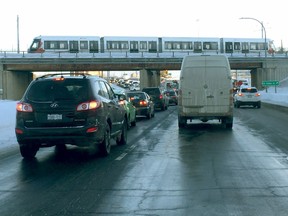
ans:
(205, 90)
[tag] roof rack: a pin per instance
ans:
(62, 74)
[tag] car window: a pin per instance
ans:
(249, 90)
(152, 91)
(110, 91)
(53, 90)
(136, 96)
(103, 91)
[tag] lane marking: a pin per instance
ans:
(125, 153)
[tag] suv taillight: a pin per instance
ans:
(89, 105)
(24, 107)
(257, 94)
(161, 96)
(143, 103)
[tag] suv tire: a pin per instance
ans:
(123, 137)
(28, 151)
(105, 146)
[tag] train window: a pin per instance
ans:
(197, 46)
(94, 46)
(261, 46)
(124, 45)
(237, 46)
(210, 46)
(187, 45)
(143, 45)
(168, 45)
(50, 45)
(63, 45)
(245, 47)
(176, 45)
(253, 46)
(83, 44)
(112, 45)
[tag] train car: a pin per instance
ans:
(75, 44)
(244, 45)
(72, 44)
(129, 44)
(190, 44)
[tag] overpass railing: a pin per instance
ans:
(24, 54)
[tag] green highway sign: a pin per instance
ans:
(270, 83)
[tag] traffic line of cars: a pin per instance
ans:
(83, 110)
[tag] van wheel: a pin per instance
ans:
(105, 146)
(182, 122)
(227, 122)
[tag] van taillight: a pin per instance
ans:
(24, 107)
(89, 105)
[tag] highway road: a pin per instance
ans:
(203, 169)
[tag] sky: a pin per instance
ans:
(163, 18)
(8, 112)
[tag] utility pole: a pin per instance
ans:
(18, 44)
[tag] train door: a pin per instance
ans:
(228, 47)
(93, 46)
(152, 46)
(73, 46)
(134, 47)
(245, 47)
(197, 46)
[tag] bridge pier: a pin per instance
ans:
(149, 78)
(13, 84)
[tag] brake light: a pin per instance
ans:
(122, 102)
(19, 131)
(143, 103)
(89, 105)
(240, 94)
(161, 96)
(24, 107)
(59, 79)
(257, 94)
(92, 130)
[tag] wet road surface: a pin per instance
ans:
(203, 169)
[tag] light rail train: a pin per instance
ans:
(75, 44)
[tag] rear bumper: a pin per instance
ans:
(60, 135)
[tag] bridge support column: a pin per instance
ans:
(149, 78)
(13, 84)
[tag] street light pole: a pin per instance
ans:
(263, 28)
(265, 41)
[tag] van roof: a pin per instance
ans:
(207, 60)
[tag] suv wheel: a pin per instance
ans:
(28, 151)
(105, 145)
(123, 137)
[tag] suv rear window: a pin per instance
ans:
(152, 91)
(50, 90)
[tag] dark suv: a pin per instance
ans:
(79, 110)
(158, 96)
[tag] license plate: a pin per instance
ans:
(249, 96)
(54, 117)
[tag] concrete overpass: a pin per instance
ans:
(16, 70)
